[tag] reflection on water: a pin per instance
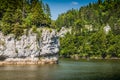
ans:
(66, 70)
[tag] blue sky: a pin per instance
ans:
(59, 6)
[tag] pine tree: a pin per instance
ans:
(48, 11)
(99, 1)
(37, 14)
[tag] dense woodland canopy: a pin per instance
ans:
(17, 15)
(87, 37)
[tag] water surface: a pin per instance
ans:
(65, 70)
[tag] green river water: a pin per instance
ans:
(67, 69)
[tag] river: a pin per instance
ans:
(67, 69)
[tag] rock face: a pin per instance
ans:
(64, 31)
(49, 44)
(107, 28)
(30, 46)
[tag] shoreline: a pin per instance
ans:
(77, 57)
(42, 61)
(91, 58)
(28, 61)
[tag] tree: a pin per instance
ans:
(37, 14)
(24, 14)
(47, 10)
(17, 30)
(99, 1)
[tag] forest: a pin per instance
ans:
(17, 15)
(87, 37)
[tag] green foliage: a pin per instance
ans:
(6, 29)
(34, 29)
(91, 44)
(37, 14)
(15, 16)
(27, 22)
(39, 33)
(17, 30)
(99, 13)
(88, 39)
(67, 19)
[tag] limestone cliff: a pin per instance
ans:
(45, 47)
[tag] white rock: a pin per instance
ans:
(29, 46)
(49, 42)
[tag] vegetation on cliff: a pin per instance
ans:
(88, 37)
(17, 15)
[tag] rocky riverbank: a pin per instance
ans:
(29, 61)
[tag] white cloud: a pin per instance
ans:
(75, 3)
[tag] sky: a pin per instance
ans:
(60, 6)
